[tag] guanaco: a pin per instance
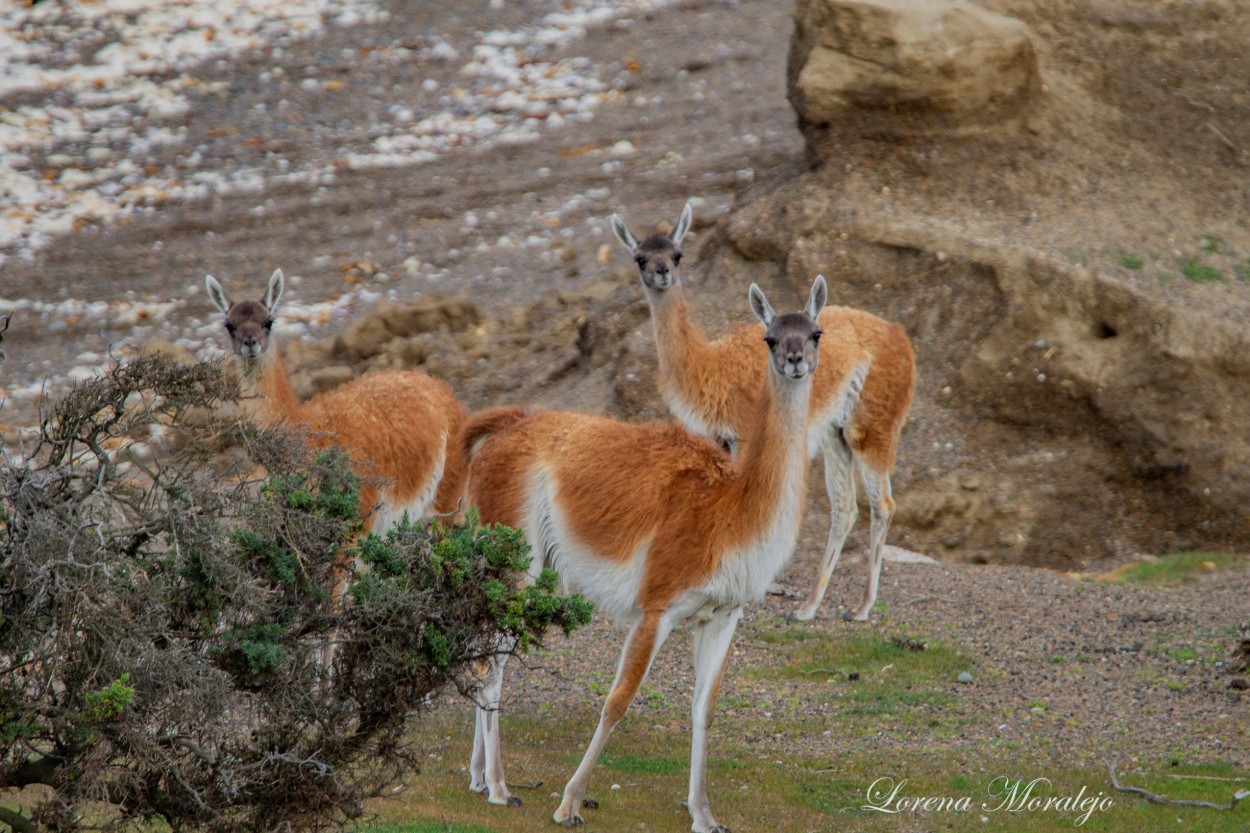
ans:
(860, 397)
(656, 526)
(402, 428)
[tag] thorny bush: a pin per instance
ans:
(163, 615)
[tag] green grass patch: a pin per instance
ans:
(897, 660)
(645, 764)
(427, 827)
(1133, 262)
(1213, 243)
(1179, 567)
(1201, 273)
(877, 681)
(754, 789)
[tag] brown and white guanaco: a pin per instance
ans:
(403, 428)
(656, 526)
(860, 396)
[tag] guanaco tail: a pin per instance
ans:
(656, 526)
(860, 397)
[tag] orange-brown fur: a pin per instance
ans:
(861, 395)
(395, 424)
(675, 481)
(655, 525)
(719, 378)
(392, 422)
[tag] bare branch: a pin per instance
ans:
(1155, 798)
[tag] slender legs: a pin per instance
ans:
(877, 489)
(641, 645)
(486, 765)
(840, 466)
(843, 510)
(711, 647)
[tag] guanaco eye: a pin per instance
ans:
(229, 328)
(770, 341)
(268, 324)
(676, 258)
(816, 336)
(641, 260)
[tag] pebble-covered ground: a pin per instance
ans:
(1068, 671)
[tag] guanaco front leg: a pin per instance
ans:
(644, 640)
(711, 647)
(486, 765)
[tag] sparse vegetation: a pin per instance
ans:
(1181, 566)
(1199, 272)
(162, 621)
(1130, 261)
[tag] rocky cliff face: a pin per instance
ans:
(1079, 310)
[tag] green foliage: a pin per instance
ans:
(259, 645)
(108, 702)
(204, 599)
(1130, 261)
(1180, 566)
(1199, 272)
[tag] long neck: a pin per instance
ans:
(680, 343)
(267, 389)
(775, 463)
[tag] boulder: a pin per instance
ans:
(907, 67)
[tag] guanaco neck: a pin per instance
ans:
(267, 389)
(775, 462)
(681, 344)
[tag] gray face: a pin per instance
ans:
(792, 341)
(249, 325)
(657, 258)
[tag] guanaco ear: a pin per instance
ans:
(760, 306)
(683, 224)
(622, 233)
(273, 293)
(816, 301)
(217, 294)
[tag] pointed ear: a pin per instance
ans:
(273, 293)
(760, 306)
(217, 294)
(683, 224)
(816, 301)
(622, 233)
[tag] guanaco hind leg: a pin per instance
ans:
(641, 645)
(843, 510)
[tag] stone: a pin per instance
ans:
(170, 350)
(900, 68)
(362, 340)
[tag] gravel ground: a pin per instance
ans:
(1125, 690)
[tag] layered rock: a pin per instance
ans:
(906, 68)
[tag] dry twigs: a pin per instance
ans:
(1155, 798)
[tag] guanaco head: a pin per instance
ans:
(657, 256)
(792, 338)
(248, 322)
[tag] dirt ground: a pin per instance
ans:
(1136, 150)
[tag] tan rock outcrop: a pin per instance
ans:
(906, 67)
